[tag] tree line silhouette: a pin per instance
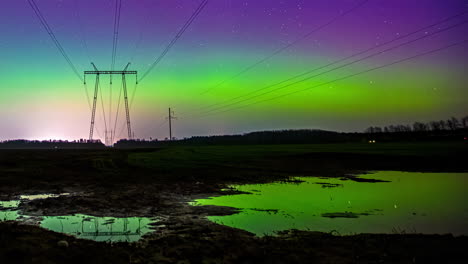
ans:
(451, 124)
(452, 129)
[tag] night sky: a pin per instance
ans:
(41, 98)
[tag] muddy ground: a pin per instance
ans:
(159, 182)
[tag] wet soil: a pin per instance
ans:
(107, 184)
(204, 242)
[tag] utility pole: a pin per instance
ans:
(170, 118)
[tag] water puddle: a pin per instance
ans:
(108, 229)
(400, 202)
(9, 210)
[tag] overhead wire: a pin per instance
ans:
(118, 7)
(347, 76)
(84, 42)
(400, 37)
(159, 125)
(90, 107)
(117, 14)
(85, 47)
(130, 108)
(87, 95)
(60, 48)
(338, 67)
(175, 39)
(49, 30)
(103, 109)
(287, 46)
(117, 113)
(140, 36)
(179, 34)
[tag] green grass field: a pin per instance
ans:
(202, 156)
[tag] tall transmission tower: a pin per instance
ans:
(98, 73)
(170, 117)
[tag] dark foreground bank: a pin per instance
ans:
(216, 244)
(159, 182)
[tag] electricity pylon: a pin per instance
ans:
(96, 92)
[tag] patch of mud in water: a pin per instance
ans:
(32, 197)
(329, 185)
(108, 229)
(349, 214)
(380, 202)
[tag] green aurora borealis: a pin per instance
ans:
(42, 99)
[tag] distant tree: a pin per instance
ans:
(418, 126)
(435, 126)
(372, 130)
(443, 125)
(453, 123)
(402, 128)
(465, 122)
(457, 123)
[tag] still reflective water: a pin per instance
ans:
(109, 229)
(8, 210)
(430, 203)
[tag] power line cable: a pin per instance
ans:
(161, 124)
(338, 67)
(118, 7)
(90, 107)
(117, 114)
(46, 26)
(117, 14)
(168, 47)
(84, 42)
(133, 95)
(280, 50)
(348, 76)
(130, 108)
(103, 111)
(140, 37)
(87, 95)
(339, 60)
(60, 48)
(176, 38)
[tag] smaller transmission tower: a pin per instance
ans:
(96, 92)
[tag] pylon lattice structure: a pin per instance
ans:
(98, 73)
